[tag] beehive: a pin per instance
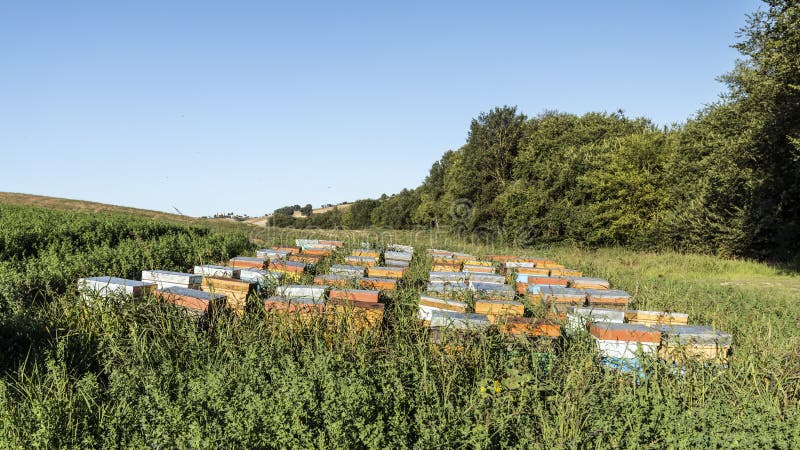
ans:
(398, 256)
(588, 283)
(400, 248)
(302, 291)
(525, 282)
(431, 302)
(447, 277)
(357, 295)
(196, 302)
(446, 267)
(333, 279)
(456, 290)
(359, 315)
(287, 248)
(397, 263)
(165, 279)
(382, 284)
(492, 291)
(105, 286)
(557, 294)
(385, 272)
(263, 278)
(456, 320)
(210, 270)
(248, 262)
(486, 278)
(235, 290)
(270, 254)
(323, 252)
(624, 340)
(529, 326)
(536, 271)
(366, 253)
(608, 298)
(656, 317)
(579, 317)
(494, 309)
(365, 261)
(685, 343)
(288, 267)
(351, 271)
(303, 306)
(305, 258)
(477, 269)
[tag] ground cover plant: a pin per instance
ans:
(143, 374)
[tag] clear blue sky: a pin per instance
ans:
(248, 106)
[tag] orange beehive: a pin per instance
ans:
(383, 284)
(247, 262)
(368, 253)
(305, 258)
(530, 326)
(288, 266)
(538, 271)
(318, 251)
(386, 272)
(624, 332)
(355, 295)
(287, 248)
(194, 301)
(332, 280)
(498, 308)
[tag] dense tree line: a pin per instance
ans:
(726, 181)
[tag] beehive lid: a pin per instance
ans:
(693, 334)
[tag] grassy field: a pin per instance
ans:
(141, 374)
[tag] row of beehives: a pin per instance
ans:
(214, 286)
(620, 334)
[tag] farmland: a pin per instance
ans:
(143, 374)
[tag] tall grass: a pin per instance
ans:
(141, 374)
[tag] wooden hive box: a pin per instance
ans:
(338, 244)
(558, 294)
(366, 253)
(475, 262)
(211, 270)
(478, 269)
(494, 309)
(685, 343)
(332, 279)
(456, 320)
(305, 258)
(447, 277)
(656, 317)
(235, 290)
(292, 291)
(365, 261)
(382, 284)
(624, 340)
(398, 256)
(456, 290)
(105, 286)
(360, 315)
(289, 267)
(428, 302)
(263, 278)
(400, 248)
(579, 317)
(397, 263)
(248, 262)
(536, 271)
(525, 282)
(445, 260)
(303, 306)
(385, 272)
(530, 326)
(355, 295)
(352, 271)
(608, 298)
(486, 278)
(165, 279)
(446, 268)
(549, 265)
(588, 283)
(292, 250)
(322, 252)
(492, 291)
(270, 254)
(196, 302)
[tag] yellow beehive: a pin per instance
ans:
(236, 291)
(386, 272)
(369, 253)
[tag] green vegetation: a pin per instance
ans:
(141, 374)
(725, 182)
